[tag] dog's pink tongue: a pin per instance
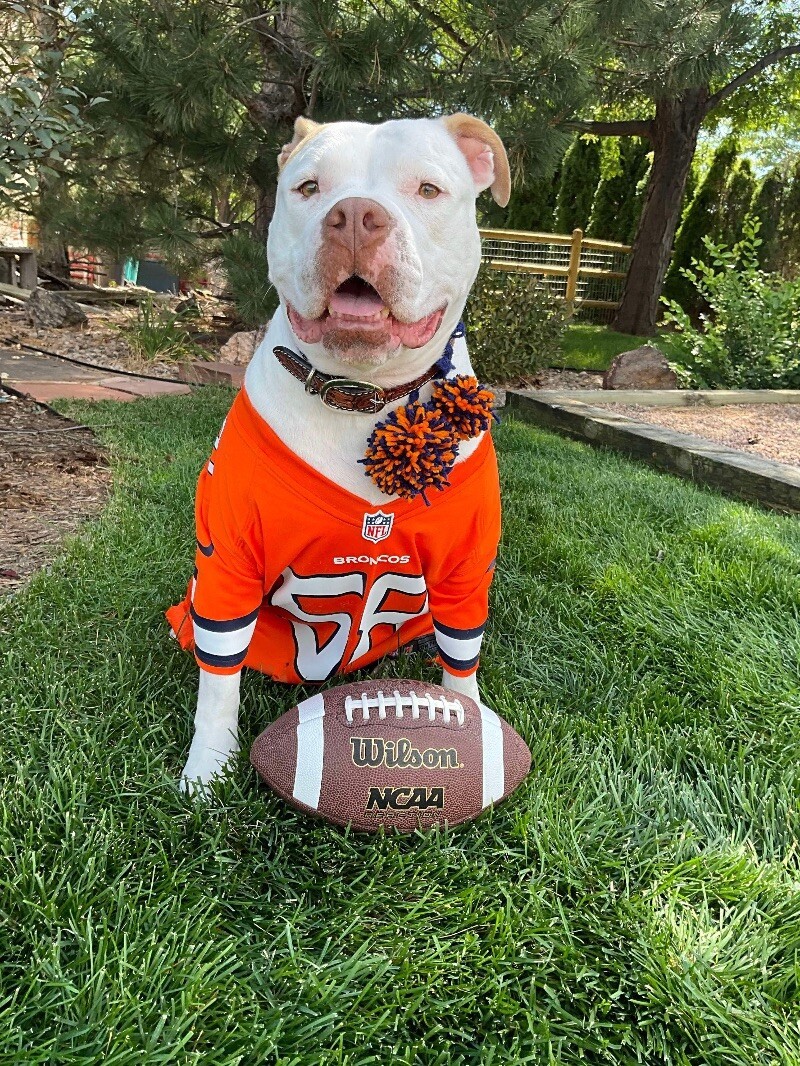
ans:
(357, 305)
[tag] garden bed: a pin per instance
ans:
(53, 477)
(105, 339)
(771, 430)
(749, 476)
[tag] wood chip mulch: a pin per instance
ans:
(53, 476)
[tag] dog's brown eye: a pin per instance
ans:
(308, 188)
(428, 191)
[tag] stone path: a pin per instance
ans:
(45, 379)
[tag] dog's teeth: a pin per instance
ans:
(385, 312)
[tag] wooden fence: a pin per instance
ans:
(585, 272)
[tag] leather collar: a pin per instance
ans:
(347, 394)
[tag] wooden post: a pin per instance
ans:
(574, 267)
(28, 271)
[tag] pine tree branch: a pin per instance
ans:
(747, 75)
(630, 128)
(439, 22)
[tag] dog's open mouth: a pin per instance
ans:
(356, 305)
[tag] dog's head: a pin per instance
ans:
(373, 246)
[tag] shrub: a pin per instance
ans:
(159, 333)
(749, 338)
(244, 260)
(515, 325)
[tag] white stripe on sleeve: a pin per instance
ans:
(458, 647)
(230, 643)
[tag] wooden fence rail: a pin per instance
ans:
(584, 271)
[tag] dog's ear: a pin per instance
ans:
(303, 128)
(484, 152)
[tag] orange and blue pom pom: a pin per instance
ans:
(465, 404)
(415, 448)
(411, 452)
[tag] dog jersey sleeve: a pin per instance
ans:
(460, 608)
(459, 603)
(228, 587)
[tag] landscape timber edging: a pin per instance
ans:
(772, 484)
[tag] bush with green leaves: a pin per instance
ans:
(244, 260)
(515, 325)
(749, 339)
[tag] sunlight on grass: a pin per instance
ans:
(586, 347)
(634, 902)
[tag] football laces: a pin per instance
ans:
(395, 704)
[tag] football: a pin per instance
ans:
(400, 754)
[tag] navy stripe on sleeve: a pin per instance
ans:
(459, 634)
(221, 661)
(458, 664)
(228, 626)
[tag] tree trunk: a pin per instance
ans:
(674, 133)
(265, 207)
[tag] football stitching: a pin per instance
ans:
(397, 702)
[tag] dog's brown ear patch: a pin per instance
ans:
(484, 152)
(303, 129)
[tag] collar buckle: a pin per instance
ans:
(365, 390)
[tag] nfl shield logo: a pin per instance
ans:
(377, 526)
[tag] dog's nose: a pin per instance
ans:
(357, 222)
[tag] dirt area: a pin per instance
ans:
(52, 477)
(104, 342)
(768, 429)
(563, 379)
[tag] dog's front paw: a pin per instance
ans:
(468, 686)
(207, 761)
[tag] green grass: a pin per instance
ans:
(586, 347)
(635, 902)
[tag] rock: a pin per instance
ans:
(52, 310)
(642, 368)
(188, 306)
(240, 348)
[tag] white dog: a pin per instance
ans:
(306, 568)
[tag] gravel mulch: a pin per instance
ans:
(770, 430)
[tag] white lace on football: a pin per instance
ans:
(417, 703)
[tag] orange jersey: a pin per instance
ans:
(302, 580)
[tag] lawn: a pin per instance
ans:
(586, 347)
(635, 902)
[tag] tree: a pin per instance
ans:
(531, 207)
(199, 98)
(616, 204)
(38, 110)
(766, 208)
(703, 218)
(675, 65)
(580, 174)
(737, 197)
(790, 226)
